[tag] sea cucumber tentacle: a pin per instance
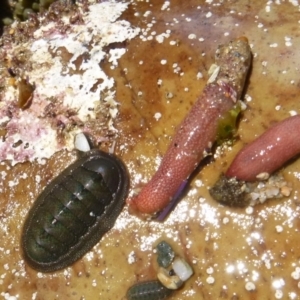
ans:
(268, 152)
(198, 130)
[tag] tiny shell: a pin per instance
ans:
(25, 93)
(172, 282)
(81, 142)
(182, 268)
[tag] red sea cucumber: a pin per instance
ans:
(268, 152)
(199, 129)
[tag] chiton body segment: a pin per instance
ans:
(74, 211)
(149, 290)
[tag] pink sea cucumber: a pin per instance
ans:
(198, 130)
(268, 152)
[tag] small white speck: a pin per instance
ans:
(210, 270)
(215, 246)
(267, 264)
(293, 113)
(279, 228)
(94, 282)
(278, 294)
(173, 43)
(131, 258)
(210, 280)
(250, 286)
(201, 199)
(141, 62)
(199, 183)
(230, 269)
(186, 89)
(248, 98)
(165, 5)
(147, 13)
(192, 36)
(288, 41)
(208, 15)
(24, 175)
(277, 107)
(188, 19)
(292, 295)
(163, 61)
(3, 175)
(274, 45)
(160, 38)
(226, 33)
(38, 178)
(11, 183)
(278, 283)
(294, 2)
(159, 82)
(199, 75)
(140, 93)
(225, 220)
(249, 210)
(157, 116)
(169, 95)
(296, 274)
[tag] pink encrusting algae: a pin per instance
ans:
(268, 152)
(198, 131)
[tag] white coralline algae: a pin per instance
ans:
(70, 86)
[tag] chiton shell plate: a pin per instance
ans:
(74, 211)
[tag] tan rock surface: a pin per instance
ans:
(235, 253)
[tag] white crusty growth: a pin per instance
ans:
(65, 68)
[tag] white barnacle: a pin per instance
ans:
(81, 142)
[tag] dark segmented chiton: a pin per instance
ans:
(74, 211)
(148, 290)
